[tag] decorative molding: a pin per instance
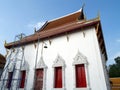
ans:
(67, 37)
(59, 61)
(84, 34)
(25, 65)
(11, 66)
(50, 41)
(41, 64)
(80, 59)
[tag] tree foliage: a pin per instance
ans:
(114, 70)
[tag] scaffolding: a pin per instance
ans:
(14, 64)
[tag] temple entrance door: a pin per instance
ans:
(39, 79)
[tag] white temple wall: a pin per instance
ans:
(67, 47)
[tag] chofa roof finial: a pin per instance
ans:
(35, 30)
(98, 14)
(83, 6)
(5, 42)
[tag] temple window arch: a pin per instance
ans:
(81, 80)
(59, 73)
(40, 75)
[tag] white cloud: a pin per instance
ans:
(118, 40)
(37, 25)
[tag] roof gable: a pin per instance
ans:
(73, 17)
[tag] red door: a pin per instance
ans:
(39, 79)
(80, 76)
(58, 77)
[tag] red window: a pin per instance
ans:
(23, 75)
(58, 77)
(80, 76)
(10, 74)
(39, 79)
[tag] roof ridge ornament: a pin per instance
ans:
(81, 9)
(83, 6)
(98, 15)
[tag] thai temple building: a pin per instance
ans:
(67, 53)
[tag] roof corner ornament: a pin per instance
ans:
(81, 9)
(98, 15)
(83, 6)
(35, 30)
(5, 42)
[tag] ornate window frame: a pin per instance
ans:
(41, 65)
(24, 67)
(80, 59)
(59, 62)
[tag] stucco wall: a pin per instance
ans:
(85, 42)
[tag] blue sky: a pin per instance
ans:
(21, 16)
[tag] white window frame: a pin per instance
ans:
(25, 67)
(80, 59)
(59, 62)
(41, 65)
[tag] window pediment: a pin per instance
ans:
(80, 59)
(25, 65)
(59, 61)
(41, 63)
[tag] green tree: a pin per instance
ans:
(114, 70)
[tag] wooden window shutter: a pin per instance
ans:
(80, 76)
(58, 77)
(23, 75)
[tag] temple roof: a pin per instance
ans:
(73, 17)
(69, 23)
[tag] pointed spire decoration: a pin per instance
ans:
(5, 42)
(35, 30)
(83, 6)
(41, 63)
(82, 16)
(98, 15)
